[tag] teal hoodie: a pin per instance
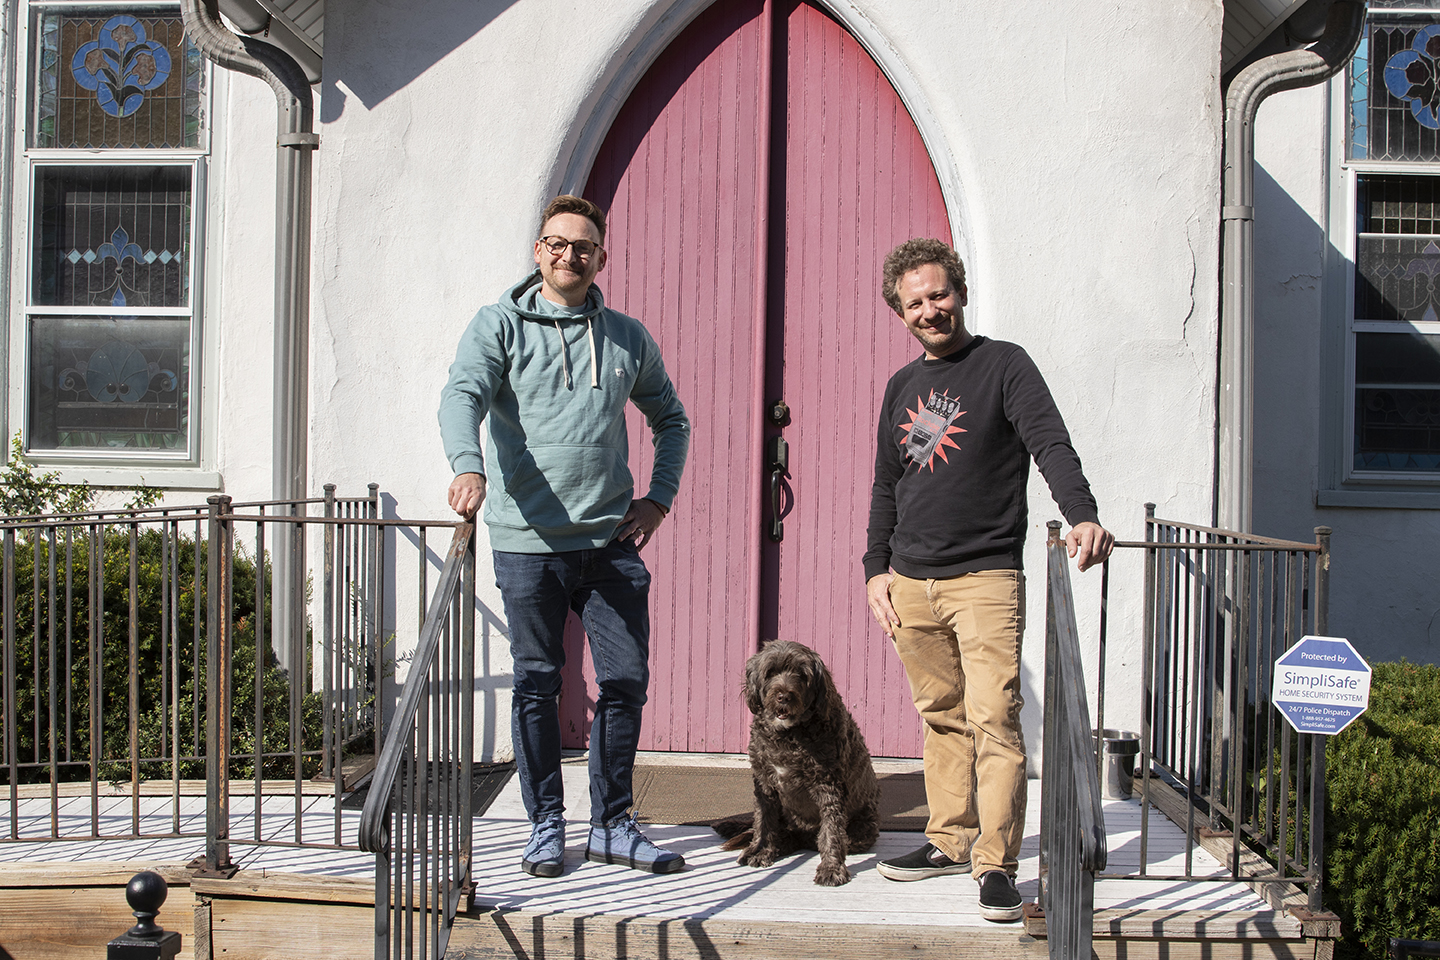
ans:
(553, 381)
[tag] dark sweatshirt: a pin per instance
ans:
(953, 459)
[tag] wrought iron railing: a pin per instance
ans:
(1219, 607)
(417, 816)
(143, 655)
(1072, 826)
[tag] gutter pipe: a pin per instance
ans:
(1235, 407)
(295, 142)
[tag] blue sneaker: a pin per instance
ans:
(620, 841)
(545, 853)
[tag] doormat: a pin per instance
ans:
(488, 780)
(698, 796)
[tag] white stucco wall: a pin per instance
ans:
(1383, 574)
(1086, 148)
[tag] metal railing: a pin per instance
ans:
(143, 655)
(336, 670)
(417, 816)
(1219, 607)
(1072, 826)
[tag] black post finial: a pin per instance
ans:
(145, 893)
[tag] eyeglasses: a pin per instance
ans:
(584, 249)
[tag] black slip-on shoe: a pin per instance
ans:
(928, 861)
(999, 900)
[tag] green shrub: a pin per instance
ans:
(1382, 819)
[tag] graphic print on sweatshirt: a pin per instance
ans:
(930, 428)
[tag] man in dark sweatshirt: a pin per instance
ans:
(958, 427)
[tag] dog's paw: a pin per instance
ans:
(831, 874)
(753, 856)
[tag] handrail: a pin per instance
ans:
(417, 817)
(374, 834)
(1240, 539)
(1074, 706)
(1072, 824)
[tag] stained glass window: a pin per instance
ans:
(112, 322)
(112, 236)
(117, 78)
(1395, 90)
(1397, 402)
(1397, 371)
(109, 382)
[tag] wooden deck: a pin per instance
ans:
(293, 902)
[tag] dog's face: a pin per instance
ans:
(784, 682)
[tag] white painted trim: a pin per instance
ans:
(629, 63)
(152, 475)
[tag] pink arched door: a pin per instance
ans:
(754, 181)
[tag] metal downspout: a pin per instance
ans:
(295, 141)
(1235, 413)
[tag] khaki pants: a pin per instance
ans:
(959, 639)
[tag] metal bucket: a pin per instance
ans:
(1121, 747)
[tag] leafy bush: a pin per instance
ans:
(1382, 820)
(26, 493)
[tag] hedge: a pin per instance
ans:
(1382, 817)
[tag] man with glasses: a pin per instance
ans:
(552, 367)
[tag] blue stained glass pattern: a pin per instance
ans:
(121, 65)
(1411, 76)
(1394, 89)
(126, 80)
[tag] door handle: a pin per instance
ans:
(779, 464)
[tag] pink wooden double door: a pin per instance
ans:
(753, 182)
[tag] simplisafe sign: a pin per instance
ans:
(1321, 685)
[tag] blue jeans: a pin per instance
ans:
(609, 588)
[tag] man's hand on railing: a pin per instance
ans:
(1089, 543)
(467, 492)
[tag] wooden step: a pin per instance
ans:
(63, 911)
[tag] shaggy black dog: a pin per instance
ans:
(814, 785)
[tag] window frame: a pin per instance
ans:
(1341, 483)
(113, 465)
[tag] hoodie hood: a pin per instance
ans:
(528, 303)
(522, 299)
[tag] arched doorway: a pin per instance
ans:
(753, 181)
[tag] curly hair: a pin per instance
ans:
(913, 254)
(565, 203)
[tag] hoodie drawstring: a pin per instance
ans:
(565, 354)
(594, 368)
